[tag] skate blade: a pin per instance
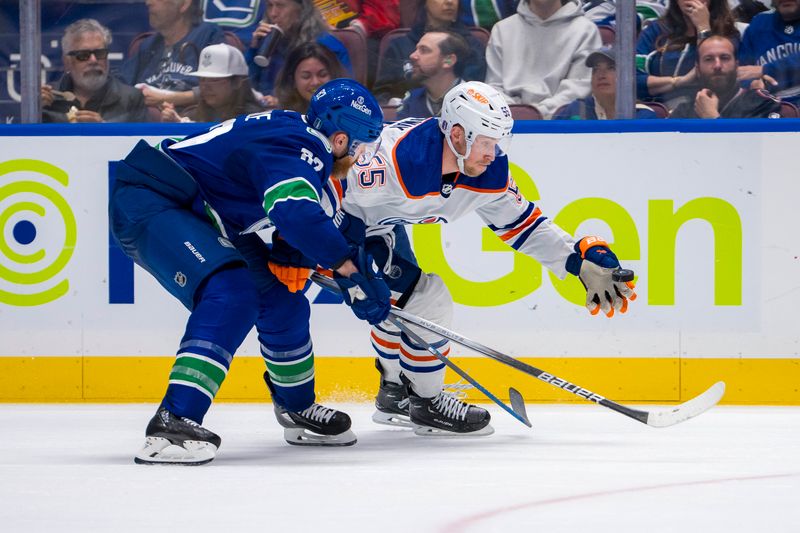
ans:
(160, 451)
(303, 437)
(427, 431)
(392, 419)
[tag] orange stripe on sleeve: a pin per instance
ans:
(530, 220)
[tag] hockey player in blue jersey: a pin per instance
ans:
(436, 171)
(188, 213)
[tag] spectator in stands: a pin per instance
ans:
(666, 52)
(375, 18)
(719, 94)
(602, 103)
(225, 90)
(538, 56)
(161, 66)
(604, 12)
(485, 13)
(438, 63)
(299, 21)
(307, 67)
(392, 80)
(86, 92)
(770, 50)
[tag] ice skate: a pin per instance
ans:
(391, 403)
(446, 415)
(176, 440)
(316, 426)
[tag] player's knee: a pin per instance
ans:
(233, 293)
(432, 300)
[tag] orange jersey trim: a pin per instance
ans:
(530, 220)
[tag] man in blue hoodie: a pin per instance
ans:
(770, 51)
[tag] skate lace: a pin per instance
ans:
(458, 389)
(190, 422)
(318, 413)
(449, 405)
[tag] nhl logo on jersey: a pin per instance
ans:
(447, 188)
(180, 279)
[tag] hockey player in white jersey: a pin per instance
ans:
(436, 171)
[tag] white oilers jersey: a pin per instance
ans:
(403, 184)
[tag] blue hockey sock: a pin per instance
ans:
(225, 311)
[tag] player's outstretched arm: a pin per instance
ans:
(608, 287)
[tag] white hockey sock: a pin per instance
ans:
(387, 346)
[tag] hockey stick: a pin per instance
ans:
(658, 418)
(517, 408)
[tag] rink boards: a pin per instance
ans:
(703, 211)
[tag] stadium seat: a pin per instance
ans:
(660, 109)
(480, 34)
(525, 112)
(789, 110)
(608, 35)
(408, 12)
(356, 46)
(389, 113)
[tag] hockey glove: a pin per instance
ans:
(598, 269)
(365, 291)
(289, 265)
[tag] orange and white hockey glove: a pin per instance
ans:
(608, 287)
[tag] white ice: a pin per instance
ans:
(70, 468)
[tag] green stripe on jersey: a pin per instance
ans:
(292, 374)
(293, 189)
(199, 370)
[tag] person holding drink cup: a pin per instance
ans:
(286, 25)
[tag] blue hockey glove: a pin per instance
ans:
(365, 291)
(289, 265)
(598, 269)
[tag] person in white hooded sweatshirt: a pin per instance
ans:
(538, 56)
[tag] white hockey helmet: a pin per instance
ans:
(481, 110)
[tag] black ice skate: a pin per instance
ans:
(316, 426)
(447, 415)
(177, 440)
(391, 403)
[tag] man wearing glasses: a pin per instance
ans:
(86, 92)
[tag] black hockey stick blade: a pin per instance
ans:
(517, 409)
(518, 405)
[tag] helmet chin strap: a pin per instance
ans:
(459, 158)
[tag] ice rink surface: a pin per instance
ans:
(70, 467)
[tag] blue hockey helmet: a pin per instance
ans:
(347, 106)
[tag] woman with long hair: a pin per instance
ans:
(307, 67)
(225, 90)
(296, 22)
(666, 52)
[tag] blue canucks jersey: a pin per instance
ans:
(265, 169)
